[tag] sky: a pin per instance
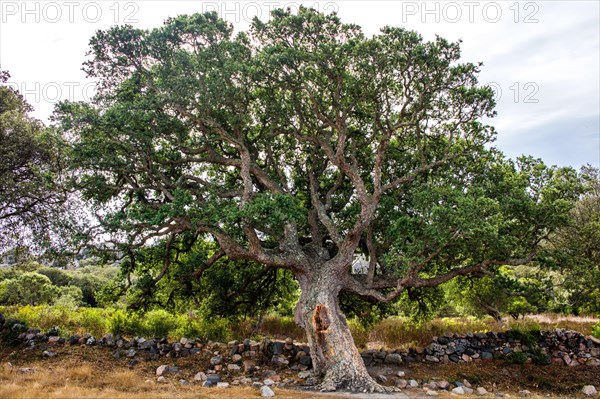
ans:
(542, 58)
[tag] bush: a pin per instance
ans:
(216, 330)
(93, 321)
(160, 323)
(188, 325)
(528, 332)
(539, 357)
(123, 323)
(516, 358)
(359, 332)
(596, 331)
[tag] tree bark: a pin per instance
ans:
(334, 354)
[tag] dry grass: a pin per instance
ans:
(400, 333)
(85, 381)
(583, 324)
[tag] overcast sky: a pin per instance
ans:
(541, 57)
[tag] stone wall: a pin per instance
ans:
(557, 346)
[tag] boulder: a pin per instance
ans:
(589, 390)
(266, 392)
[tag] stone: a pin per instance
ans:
(400, 373)
(161, 379)
(216, 360)
(222, 385)
(279, 360)
(233, 368)
(445, 385)
(249, 365)
(429, 392)
(432, 359)
(393, 358)
(53, 332)
(467, 384)
(266, 392)
(200, 376)
(236, 358)
(305, 361)
(481, 391)
(130, 353)
(589, 390)
(162, 370)
(524, 393)
(468, 390)
(413, 384)
(458, 391)
(53, 339)
(268, 382)
(49, 354)
(401, 383)
(212, 380)
(304, 374)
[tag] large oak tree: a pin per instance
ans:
(299, 145)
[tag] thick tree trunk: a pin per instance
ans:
(334, 355)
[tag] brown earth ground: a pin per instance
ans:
(83, 372)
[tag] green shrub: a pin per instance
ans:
(188, 325)
(92, 321)
(539, 357)
(359, 332)
(528, 332)
(596, 330)
(216, 330)
(516, 358)
(160, 323)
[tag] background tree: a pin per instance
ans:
(299, 145)
(32, 198)
(575, 249)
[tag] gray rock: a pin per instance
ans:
(445, 385)
(468, 390)
(266, 392)
(200, 376)
(162, 370)
(401, 383)
(458, 391)
(269, 382)
(524, 393)
(304, 374)
(183, 382)
(161, 379)
(222, 385)
(48, 354)
(233, 368)
(393, 358)
(589, 390)
(400, 373)
(216, 360)
(431, 393)
(481, 391)
(413, 384)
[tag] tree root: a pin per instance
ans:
(361, 384)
